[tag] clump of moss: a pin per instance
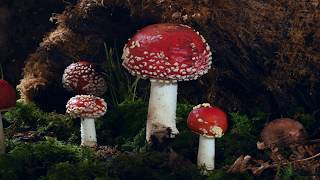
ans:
(222, 174)
(121, 123)
(51, 159)
(152, 165)
(124, 127)
(33, 160)
(137, 143)
(84, 169)
(28, 117)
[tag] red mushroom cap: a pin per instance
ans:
(208, 121)
(167, 52)
(86, 106)
(7, 95)
(82, 78)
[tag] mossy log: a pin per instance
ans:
(266, 53)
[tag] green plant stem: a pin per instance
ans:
(134, 86)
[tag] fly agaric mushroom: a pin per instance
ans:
(82, 78)
(166, 53)
(7, 100)
(282, 132)
(210, 123)
(88, 108)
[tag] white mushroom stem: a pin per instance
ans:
(88, 132)
(2, 144)
(206, 153)
(161, 120)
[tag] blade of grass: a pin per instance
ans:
(121, 86)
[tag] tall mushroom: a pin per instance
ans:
(88, 108)
(209, 122)
(7, 100)
(82, 78)
(166, 53)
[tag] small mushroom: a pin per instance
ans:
(209, 122)
(283, 132)
(82, 78)
(88, 108)
(166, 53)
(7, 100)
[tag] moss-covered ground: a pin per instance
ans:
(43, 145)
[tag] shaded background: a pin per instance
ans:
(266, 53)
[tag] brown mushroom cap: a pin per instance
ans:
(283, 132)
(86, 106)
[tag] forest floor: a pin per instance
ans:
(42, 145)
(266, 66)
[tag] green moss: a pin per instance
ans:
(288, 173)
(9, 168)
(26, 116)
(186, 141)
(242, 124)
(122, 123)
(126, 122)
(137, 144)
(221, 174)
(151, 165)
(81, 170)
(124, 126)
(33, 160)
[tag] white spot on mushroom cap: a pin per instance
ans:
(200, 120)
(202, 105)
(203, 130)
(217, 131)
